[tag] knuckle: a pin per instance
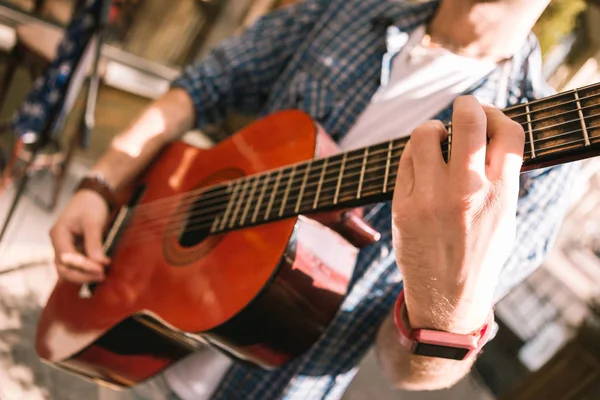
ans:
(417, 136)
(63, 259)
(424, 136)
(457, 204)
(513, 127)
(70, 259)
(453, 206)
(428, 129)
(424, 212)
(400, 219)
(401, 211)
(464, 117)
(430, 199)
(469, 117)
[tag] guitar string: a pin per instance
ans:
(507, 110)
(359, 155)
(195, 192)
(275, 170)
(150, 204)
(210, 208)
(548, 117)
(293, 191)
(146, 223)
(217, 190)
(174, 227)
(222, 200)
(593, 86)
(197, 227)
(524, 105)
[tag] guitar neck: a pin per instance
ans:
(558, 129)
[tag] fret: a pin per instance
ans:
(353, 168)
(362, 173)
(376, 169)
(303, 186)
(239, 203)
(314, 171)
(330, 174)
(320, 184)
(206, 199)
(586, 136)
(250, 198)
(551, 126)
(260, 198)
(387, 165)
(229, 203)
(341, 174)
(590, 105)
(268, 212)
(215, 224)
(449, 141)
(530, 130)
(287, 191)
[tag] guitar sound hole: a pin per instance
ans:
(200, 217)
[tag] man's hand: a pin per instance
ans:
(77, 234)
(454, 223)
(82, 221)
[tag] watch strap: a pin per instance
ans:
(439, 343)
(98, 184)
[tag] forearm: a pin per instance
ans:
(165, 120)
(412, 372)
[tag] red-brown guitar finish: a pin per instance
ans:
(260, 294)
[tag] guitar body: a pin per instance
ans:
(261, 294)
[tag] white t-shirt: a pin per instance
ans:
(422, 83)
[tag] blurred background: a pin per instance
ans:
(548, 346)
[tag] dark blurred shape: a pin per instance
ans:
(573, 373)
(38, 123)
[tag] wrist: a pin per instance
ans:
(97, 183)
(441, 313)
(440, 343)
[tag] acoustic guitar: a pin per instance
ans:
(249, 246)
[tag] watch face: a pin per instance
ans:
(434, 350)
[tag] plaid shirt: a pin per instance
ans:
(328, 58)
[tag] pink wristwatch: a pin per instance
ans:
(439, 344)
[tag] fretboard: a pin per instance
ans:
(558, 129)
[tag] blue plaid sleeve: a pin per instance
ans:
(239, 72)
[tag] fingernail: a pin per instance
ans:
(67, 258)
(466, 101)
(101, 257)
